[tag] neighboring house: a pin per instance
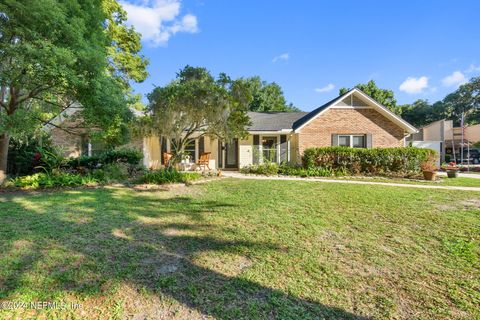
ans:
(443, 137)
(353, 119)
(68, 133)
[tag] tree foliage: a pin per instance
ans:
(383, 96)
(421, 112)
(266, 97)
(197, 103)
(466, 100)
(53, 53)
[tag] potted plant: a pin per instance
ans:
(451, 169)
(429, 168)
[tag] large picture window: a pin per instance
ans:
(352, 141)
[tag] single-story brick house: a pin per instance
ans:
(353, 119)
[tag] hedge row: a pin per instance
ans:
(378, 161)
(127, 156)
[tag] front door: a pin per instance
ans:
(231, 154)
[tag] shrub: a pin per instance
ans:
(51, 159)
(23, 154)
(378, 161)
(89, 162)
(128, 156)
(429, 163)
(169, 175)
(304, 172)
(113, 172)
(47, 180)
(268, 169)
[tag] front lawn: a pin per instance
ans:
(439, 181)
(233, 249)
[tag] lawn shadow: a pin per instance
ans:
(150, 242)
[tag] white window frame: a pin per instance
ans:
(195, 148)
(277, 145)
(351, 139)
(278, 151)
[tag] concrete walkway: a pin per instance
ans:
(475, 175)
(236, 174)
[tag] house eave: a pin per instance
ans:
(283, 131)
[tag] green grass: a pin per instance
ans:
(440, 181)
(234, 249)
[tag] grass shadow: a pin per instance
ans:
(113, 235)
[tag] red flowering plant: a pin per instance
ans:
(451, 166)
(37, 158)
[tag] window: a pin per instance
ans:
(91, 147)
(353, 141)
(358, 142)
(269, 149)
(190, 150)
(344, 141)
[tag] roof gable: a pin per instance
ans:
(354, 98)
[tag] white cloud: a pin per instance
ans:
(329, 87)
(455, 79)
(414, 85)
(472, 68)
(283, 56)
(158, 20)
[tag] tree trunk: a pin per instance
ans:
(4, 142)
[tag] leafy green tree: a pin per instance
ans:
(125, 62)
(197, 103)
(383, 96)
(266, 97)
(416, 113)
(54, 53)
(421, 112)
(465, 100)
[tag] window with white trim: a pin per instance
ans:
(352, 141)
(190, 150)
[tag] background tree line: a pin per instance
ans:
(466, 99)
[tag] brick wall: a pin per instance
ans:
(70, 144)
(318, 133)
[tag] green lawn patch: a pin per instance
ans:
(440, 181)
(243, 249)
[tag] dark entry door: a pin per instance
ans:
(231, 154)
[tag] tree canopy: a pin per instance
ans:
(385, 97)
(466, 100)
(54, 53)
(266, 97)
(197, 103)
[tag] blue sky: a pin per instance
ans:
(419, 49)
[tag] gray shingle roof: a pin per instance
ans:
(273, 121)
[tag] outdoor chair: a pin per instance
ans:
(204, 160)
(167, 156)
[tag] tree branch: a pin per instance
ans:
(58, 127)
(2, 97)
(33, 93)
